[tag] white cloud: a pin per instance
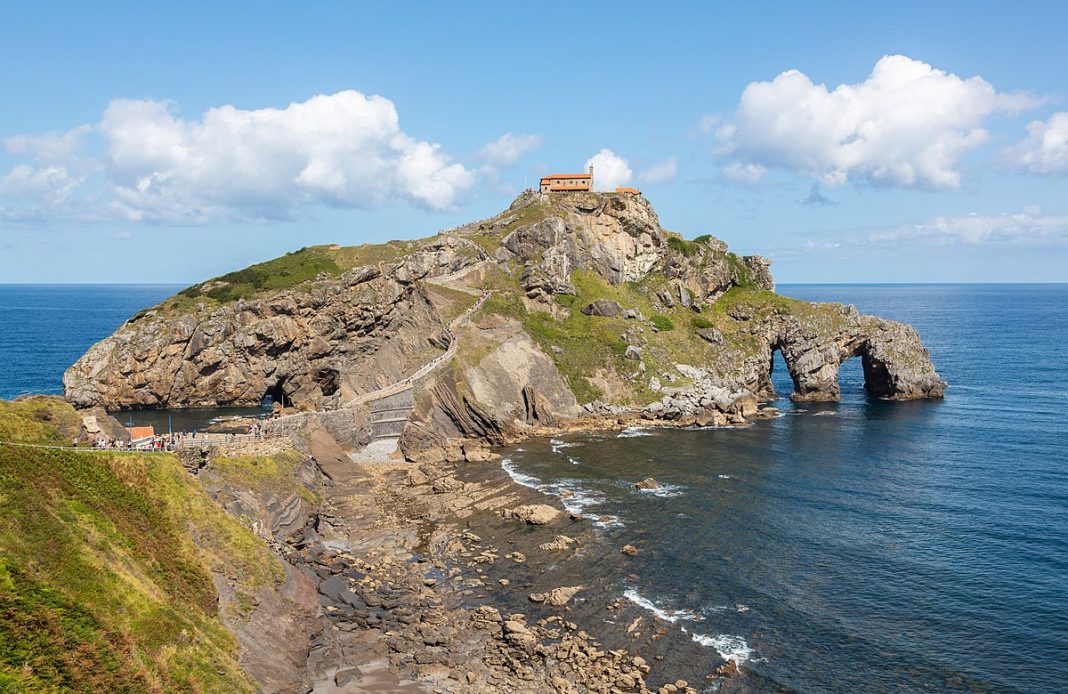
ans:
(1045, 151)
(746, 173)
(906, 125)
(507, 149)
(708, 123)
(344, 149)
(660, 173)
(609, 170)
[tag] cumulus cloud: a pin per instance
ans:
(507, 149)
(344, 149)
(906, 125)
(660, 173)
(609, 170)
(1045, 151)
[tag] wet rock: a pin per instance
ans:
(647, 483)
(629, 550)
(533, 514)
(558, 543)
(557, 597)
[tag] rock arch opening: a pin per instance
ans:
(815, 372)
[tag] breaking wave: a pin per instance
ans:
(665, 614)
(733, 648)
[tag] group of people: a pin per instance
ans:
(167, 442)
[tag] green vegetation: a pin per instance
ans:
(681, 245)
(662, 322)
(38, 419)
(265, 474)
(286, 272)
(700, 322)
(590, 344)
(101, 584)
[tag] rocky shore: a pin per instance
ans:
(389, 585)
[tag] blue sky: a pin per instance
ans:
(918, 142)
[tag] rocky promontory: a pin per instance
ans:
(563, 306)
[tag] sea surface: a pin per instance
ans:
(860, 546)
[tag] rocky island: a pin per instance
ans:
(562, 308)
(352, 548)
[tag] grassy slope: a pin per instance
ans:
(285, 272)
(101, 583)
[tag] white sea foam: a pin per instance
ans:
(574, 497)
(572, 460)
(729, 647)
(667, 615)
(725, 477)
(558, 445)
(518, 477)
(633, 432)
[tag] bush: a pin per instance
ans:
(681, 245)
(703, 238)
(662, 322)
(699, 322)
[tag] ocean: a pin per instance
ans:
(856, 546)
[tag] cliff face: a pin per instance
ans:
(523, 319)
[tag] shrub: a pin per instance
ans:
(699, 322)
(662, 322)
(681, 245)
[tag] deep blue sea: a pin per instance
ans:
(862, 546)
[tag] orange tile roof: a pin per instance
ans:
(624, 189)
(585, 175)
(141, 432)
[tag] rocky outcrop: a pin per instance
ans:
(533, 514)
(311, 347)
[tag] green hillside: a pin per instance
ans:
(105, 567)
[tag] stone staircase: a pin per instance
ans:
(389, 414)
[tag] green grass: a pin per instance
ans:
(265, 474)
(681, 245)
(662, 322)
(38, 419)
(593, 343)
(105, 578)
(286, 272)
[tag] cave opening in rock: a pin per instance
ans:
(275, 393)
(329, 381)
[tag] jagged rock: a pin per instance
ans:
(534, 514)
(558, 543)
(632, 352)
(557, 597)
(308, 346)
(711, 335)
(604, 308)
(647, 483)
(629, 550)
